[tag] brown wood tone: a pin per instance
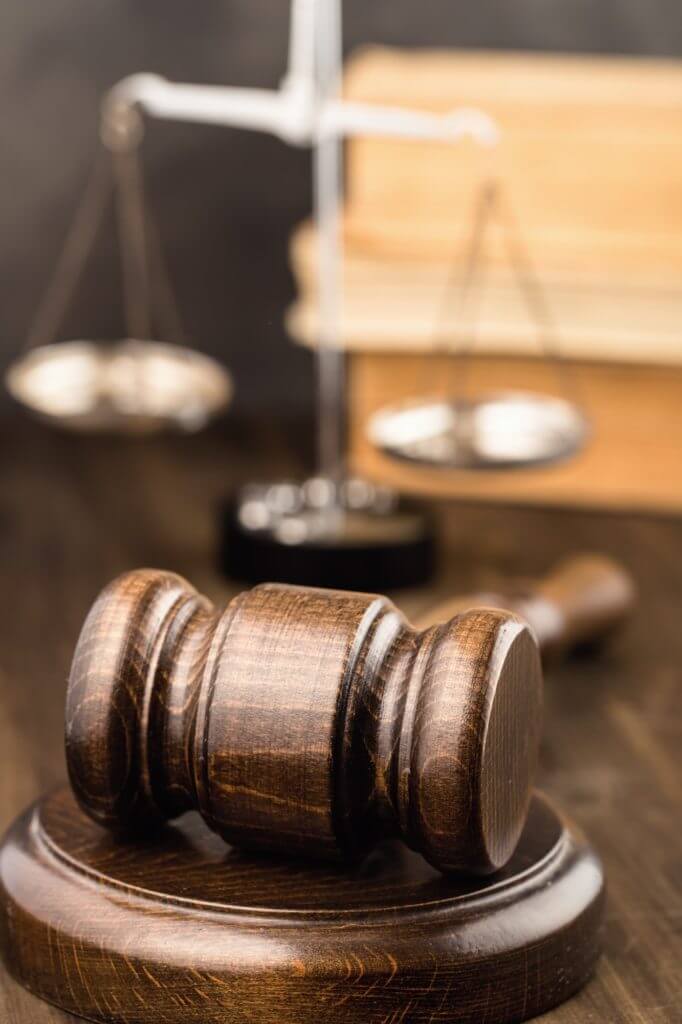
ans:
(585, 143)
(75, 512)
(180, 928)
(631, 461)
(305, 721)
(581, 601)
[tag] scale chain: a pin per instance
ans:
(134, 256)
(71, 260)
(142, 262)
(489, 202)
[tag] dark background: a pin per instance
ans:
(225, 200)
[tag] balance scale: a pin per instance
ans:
(331, 529)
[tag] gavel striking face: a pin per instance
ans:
(305, 721)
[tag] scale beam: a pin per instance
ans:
(352, 119)
(293, 114)
(283, 112)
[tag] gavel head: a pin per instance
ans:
(305, 721)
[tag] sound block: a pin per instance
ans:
(183, 929)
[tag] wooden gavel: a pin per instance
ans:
(309, 721)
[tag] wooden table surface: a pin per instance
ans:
(74, 512)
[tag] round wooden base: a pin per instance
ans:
(182, 928)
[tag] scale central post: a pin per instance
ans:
(308, 533)
(327, 185)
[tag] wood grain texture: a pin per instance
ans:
(181, 928)
(75, 512)
(305, 721)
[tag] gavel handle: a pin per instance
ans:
(581, 600)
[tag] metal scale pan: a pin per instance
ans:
(125, 386)
(504, 430)
(136, 384)
(491, 431)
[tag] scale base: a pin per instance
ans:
(286, 532)
(183, 929)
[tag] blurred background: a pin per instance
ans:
(226, 201)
